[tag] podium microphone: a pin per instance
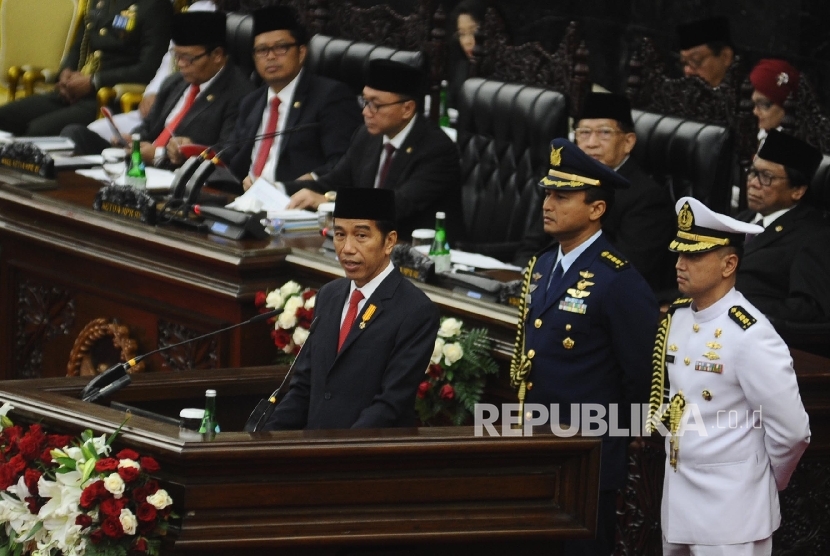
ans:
(116, 377)
(263, 410)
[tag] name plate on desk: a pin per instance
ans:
(27, 157)
(412, 263)
(126, 202)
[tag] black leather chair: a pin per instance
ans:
(691, 158)
(820, 188)
(504, 134)
(240, 41)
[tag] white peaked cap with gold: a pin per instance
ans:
(700, 229)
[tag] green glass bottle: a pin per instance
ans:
(136, 176)
(209, 424)
(439, 252)
(443, 114)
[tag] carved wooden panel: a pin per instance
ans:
(202, 354)
(380, 24)
(805, 117)
(638, 504)
(43, 312)
(804, 529)
(101, 344)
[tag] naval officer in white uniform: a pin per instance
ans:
(736, 420)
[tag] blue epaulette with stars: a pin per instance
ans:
(679, 303)
(741, 317)
(614, 261)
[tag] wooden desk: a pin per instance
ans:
(428, 491)
(63, 265)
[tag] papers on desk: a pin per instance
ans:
(75, 162)
(262, 195)
(474, 260)
(157, 180)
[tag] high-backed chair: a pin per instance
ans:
(31, 45)
(504, 134)
(691, 158)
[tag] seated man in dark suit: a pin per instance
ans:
(396, 149)
(198, 104)
(785, 271)
(373, 334)
(291, 97)
(640, 221)
(120, 41)
(706, 49)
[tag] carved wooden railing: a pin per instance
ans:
(805, 117)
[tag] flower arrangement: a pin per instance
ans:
(456, 374)
(291, 326)
(70, 497)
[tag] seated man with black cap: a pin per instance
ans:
(723, 358)
(198, 104)
(291, 97)
(588, 321)
(396, 149)
(706, 49)
(640, 221)
(373, 334)
(785, 271)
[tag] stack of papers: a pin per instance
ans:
(263, 196)
(157, 180)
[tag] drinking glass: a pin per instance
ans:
(114, 163)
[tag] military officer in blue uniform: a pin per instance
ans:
(588, 319)
(736, 423)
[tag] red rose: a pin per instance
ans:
(126, 453)
(281, 337)
(146, 527)
(31, 502)
(46, 456)
(31, 477)
(106, 465)
(140, 545)
(17, 464)
(308, 294)
(30, 445)
(100, 490)
(112, 507)
(259, 299)
(97, 536)
(129, 474)
(83, 520)
(146, 512)
(149, 465)
(435, 371)
(58, 440)
(112, 528)
(447, 393)
(88, 497)
(423, 388)
(140, 494)
(304, 317)
(12, 434)
(7, 477)
(151, 486)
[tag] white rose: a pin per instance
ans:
(160, 499)
(437, 351)
(309, 304)
(128, 463)
(114, 484)
(450, 328)
(452, 353)
(293, 303)
(274, 300)
(128, 521)
(287, 320)
(290, 288)
(300, 336)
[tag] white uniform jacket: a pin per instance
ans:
(743, 429)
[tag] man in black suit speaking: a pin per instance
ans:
(396, 149)
(373, 335)
(198, 104)
(291, 97)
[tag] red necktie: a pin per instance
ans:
(384, 171)
(267, 142)
(351, 315)
(168, 130)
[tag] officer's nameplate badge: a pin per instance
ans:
(573, 305)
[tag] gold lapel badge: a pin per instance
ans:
(536, 276)
(367, 314)
(713, 345)
(578, 294)
(587, 274)
(582, 284)
(711, 356)
(718, 332)
(409, 150)
(696, 327)
(568, 343)
(673, 347)
(210, 98)
(297, 104)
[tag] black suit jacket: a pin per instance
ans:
(641, 224)
(372, 381)
(785, 271)
(425, 175)
(211, 119)
(316, 100)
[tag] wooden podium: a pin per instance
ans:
(402, 491)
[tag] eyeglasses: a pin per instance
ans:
(374, 107)
(263, 51)
(186, 59)
(603, 133)
(763, 177)
(696, 62)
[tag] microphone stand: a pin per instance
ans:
(117, 377)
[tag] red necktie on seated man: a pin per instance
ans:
(168, 130)
(387, 162)
(268, 141)
(351, 316)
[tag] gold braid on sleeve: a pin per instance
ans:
(658, 399)
(520, 364)
(88, 62)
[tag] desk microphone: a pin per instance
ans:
(263, 410)
(116, 377)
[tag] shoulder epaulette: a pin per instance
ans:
(679, 303)
(613, 260)
(741, 317)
